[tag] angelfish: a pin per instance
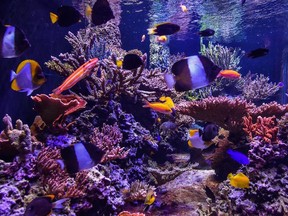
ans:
(43, 206)
(13, 41)
(28, 77)
(79, 74)
(195, 72)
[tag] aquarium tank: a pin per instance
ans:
(143, 107)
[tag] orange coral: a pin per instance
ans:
(265, 128)
(54, 108)
(126, 213)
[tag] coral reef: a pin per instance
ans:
(108, 141)
(54, 109)
(138, 191)
(255, 87)
(211, 110)
(224, 57)
(265, 129)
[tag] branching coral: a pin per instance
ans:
(226, 113)
(229, 113)
(126, 213)
(256, 87)
(224, 57)
(108, 141)
(265, 129)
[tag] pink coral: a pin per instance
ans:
(108, 141)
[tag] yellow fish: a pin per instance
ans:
(119, 63)
(168, 101)
(159, 107)
(28, 77)
(150, 197)
(239, 181)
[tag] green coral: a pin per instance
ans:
(222, 56)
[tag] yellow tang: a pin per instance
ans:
(239, 181)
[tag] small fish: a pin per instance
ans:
(230, 74)
(13, 41)
(192, 72)
(206, 33)
(80, 156)
(150, 197)
(65, 16)
(28, 77)
(183, 8)
(161, 39)
(43, 206)
(168, 101)
(79, 74)
(119, 63)
(238, 156)
(195, 139)
(131, 61)
(159, 107)
(143, 38)
(239, 181)
(210, 131)
(257, 53)
(165, 28)
(210, 194)
(101, 12)
(281, 84)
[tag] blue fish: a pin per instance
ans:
(238, 156)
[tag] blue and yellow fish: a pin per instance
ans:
(28, 77)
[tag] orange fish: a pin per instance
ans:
(183, 8)
(159, 107)
(230, 74)
(161, 39)
(79, 74)
(143, 38)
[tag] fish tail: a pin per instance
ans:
(88, 11)
(59, 203)
(53, 17)
(147, 104)
(170, 80)
(151, 31)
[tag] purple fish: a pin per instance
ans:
(238, 156)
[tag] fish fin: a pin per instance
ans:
(241, 174)
(61, 164)
(51, 196)
(13, 75)
(151, 30)
(192, 132)
(88, 11)
(147, 104)
(162, 99)
(230, 176)
(29, 91)
(53, 17)
(57, 91)
(190, 144)
(170, 80)
(58, 203)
